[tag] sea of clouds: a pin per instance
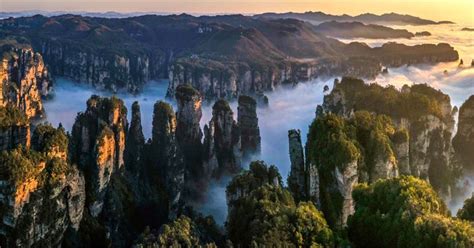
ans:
(291, 108)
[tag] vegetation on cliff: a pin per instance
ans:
(47, 138)
(263, 213)
(20, 165)
(335, 143)
(411, 102)
(11, 116)
(182, 232)
(425, 113)
(467, 211)
(404, 212)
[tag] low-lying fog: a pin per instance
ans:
(291, 108)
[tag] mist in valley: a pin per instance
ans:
(290, 108)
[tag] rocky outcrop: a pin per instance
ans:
(189, 133)
(342, 152)
(429, 128)
(135, 141)
(124, 187)
(463, 142)
(24, 79)
(41, 195)
(250, 132)
(297, 177)
(222, 142)
(167, 155)
(360, 137)
(98, 141)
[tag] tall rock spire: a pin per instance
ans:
(98, 144)
(296, 179)
(222, 142)
(135, 140)
(248, 123)
(166, 153)
(189, 134)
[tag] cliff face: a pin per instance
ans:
(429, 128)
(98, 138)
(111, 71)
(222, 142)
(24, 79)
(216, 80)
(376, 139)
(342, 152)
(464, 139)
(219, 79)
(46, 199)
(249, 130)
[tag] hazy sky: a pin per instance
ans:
(461, 11)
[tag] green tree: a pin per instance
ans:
(182, 232)
(266, 214)
(404, 212)
(467, 211)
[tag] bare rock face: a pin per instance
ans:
(464, 140)
(313, 188)
(222, 142)
(346, 179)
(109, 71)
(297, 177)
(401, 144)
(249, 129)
(98, 138)
(135, 140)
(39, 206)
(167, 156)
(24, 79)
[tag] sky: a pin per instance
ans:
(460, 11)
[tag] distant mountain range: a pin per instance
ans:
(318, 17)
(350, 30)
(221, 56)
(389, 18)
